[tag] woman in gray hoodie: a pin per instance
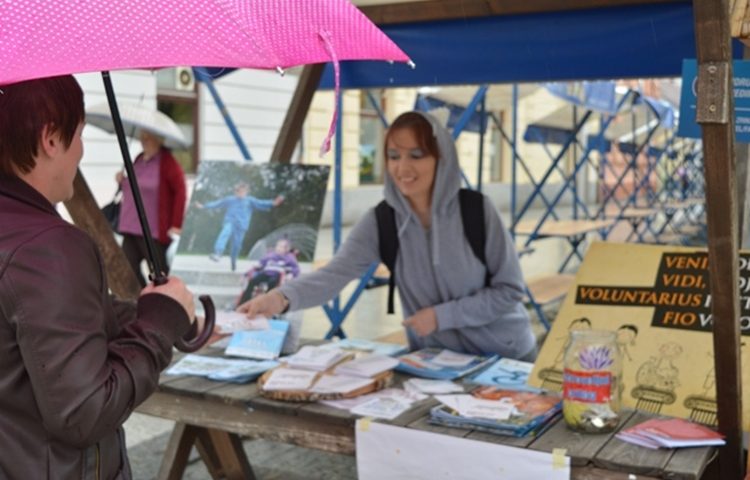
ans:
(441, 283)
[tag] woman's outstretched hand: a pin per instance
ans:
(424, 322)
(266, 305)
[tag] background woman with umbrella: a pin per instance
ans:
(162, 185)
(160, 178)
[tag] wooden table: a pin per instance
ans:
(213, 416)
(562, 228)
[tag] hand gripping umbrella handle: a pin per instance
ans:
(196, 342)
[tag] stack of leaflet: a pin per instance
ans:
(324, 371)
(506, 373)
(670, 433)
(263, 344)
(315, 358)
(357, 345)
(221, 369)
(367, 366)
(442, 364)
(498, 411)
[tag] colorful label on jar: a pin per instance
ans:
(587, 387)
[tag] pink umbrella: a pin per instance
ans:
(44, 38)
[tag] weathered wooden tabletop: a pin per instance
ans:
(239, 409)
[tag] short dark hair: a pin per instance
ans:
(421, 128)
(26, 108)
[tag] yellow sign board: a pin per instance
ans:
(657, 299)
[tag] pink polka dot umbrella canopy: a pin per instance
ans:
(42, 38)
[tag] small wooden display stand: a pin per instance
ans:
(379, 382)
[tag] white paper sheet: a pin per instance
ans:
(448, 358)
(433, 387)
(289, 379)
(384, 407)
(367, 366)
(314, 358)
(339, 384)
(230, 322)
(402, 395)
(398, 453)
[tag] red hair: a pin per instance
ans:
(26, 108)
(421, 128)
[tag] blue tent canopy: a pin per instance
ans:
(604, 43)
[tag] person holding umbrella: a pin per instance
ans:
(74, 360)
(162, 185)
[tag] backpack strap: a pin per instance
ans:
(472, 217)
(388, 244)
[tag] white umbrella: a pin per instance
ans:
(136, 118)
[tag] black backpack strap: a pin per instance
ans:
(472, 217)
(388, 244)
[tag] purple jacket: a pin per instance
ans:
(74, 361)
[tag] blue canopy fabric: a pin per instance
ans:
(604, 43)
(426, 103)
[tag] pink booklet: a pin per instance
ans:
(671, 433)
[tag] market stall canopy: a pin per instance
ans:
(638, 41)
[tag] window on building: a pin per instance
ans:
(177, 97)
(370, 140)
(496, 150)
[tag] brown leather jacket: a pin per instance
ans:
(74, 361)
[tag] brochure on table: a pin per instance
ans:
(262, 344)
(221, 369)
(496, 410)
(358, 345)
(438, 363)
(506, 373)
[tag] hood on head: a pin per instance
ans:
(447, 174)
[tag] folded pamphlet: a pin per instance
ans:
(449, 365)
(263, 344)
(367, 366)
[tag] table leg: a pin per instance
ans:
(228, 447)
(205, 447)
(177, 452)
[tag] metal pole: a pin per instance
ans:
(203, 76)
(158, 274)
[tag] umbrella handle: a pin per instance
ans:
(196, 343)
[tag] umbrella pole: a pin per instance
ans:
(193, 340)
(157, 275)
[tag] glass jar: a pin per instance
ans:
(591, 381)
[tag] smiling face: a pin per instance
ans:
(410, 166)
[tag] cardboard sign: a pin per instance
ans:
(658, 301)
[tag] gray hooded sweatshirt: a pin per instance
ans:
(437, 268)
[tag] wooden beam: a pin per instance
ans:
(291, 129)
(86, 215)
(435, 10)
(715, 114)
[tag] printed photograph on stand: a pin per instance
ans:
(250, 227)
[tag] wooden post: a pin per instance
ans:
(291, 129)
(87, 216)
(715, 114)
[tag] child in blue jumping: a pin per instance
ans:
(238, 213)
